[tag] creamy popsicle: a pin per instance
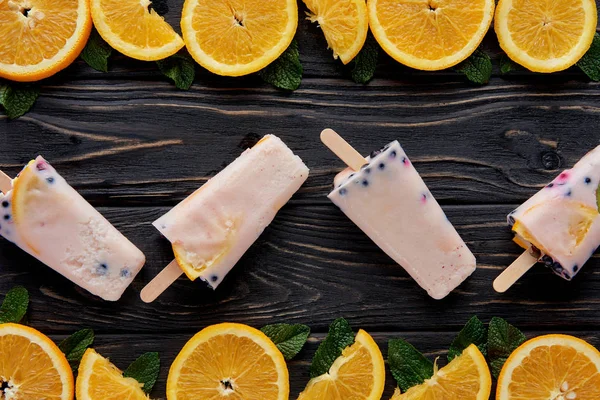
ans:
(47, 218)
(560, 224)
(389, 201)
(212, 228)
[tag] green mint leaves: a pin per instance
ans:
(598, 198)
(144, 370)
(477, 68)
(75, 346)
(475, 333)
(285, 72)
(180, 68)
(409, 367)
(97, 52)
(503, 339)
(590, 62)
(339, 337)
(17, 98)
(289, 339)
(365, 61)
(507, 65)
(14, 306)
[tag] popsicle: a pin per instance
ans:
(47, 218)
(385, 196)
(212, 228)
(560, 225)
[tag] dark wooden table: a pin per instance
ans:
(135, 146)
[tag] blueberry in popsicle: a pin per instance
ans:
(385, 196)
(560, 225)
(212, 228)
(43, 215)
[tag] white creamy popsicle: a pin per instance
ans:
(212, 228)
(47, 218)
(389, 201)
(561, 223)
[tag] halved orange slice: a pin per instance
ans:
(344, 23)
(229, 361)
(546, 36)
(551, 367)
(239, 37)
(41, 37)
(32, 366)
(135, 29)
(359, 373)
(98, 379)
(430, 34)
(467, 377)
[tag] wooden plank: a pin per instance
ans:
(124, 349)
(120, 144)
(311, 266)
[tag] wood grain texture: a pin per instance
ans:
(134, 146)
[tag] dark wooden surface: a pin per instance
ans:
(134, 146)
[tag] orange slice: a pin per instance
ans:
(41, 37)
(546, 36)
(467, 377)
(430, 34)
(344, 23)
(135, 29)
(238, 37)
(98, 379)
(551, 367)
(229, 361)
(359, 373)
(32, 366)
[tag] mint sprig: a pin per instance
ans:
(365, 61)
(144, 370)
(477, 68)
(180, 68)
(17, 98)
(97, 52)
(475, 333)
(507, 65)
(503, 339)
(339, 337)
(285, 72)
(590, 62)
(289, 339)
(409, 367)
(14, 306)
(75, 346)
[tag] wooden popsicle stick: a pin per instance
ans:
(342, 149)
(515, 271)
(5, 183)
(161, 282)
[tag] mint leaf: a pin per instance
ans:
(503, 339)
(14, 306)
(75, 345)
(285, 72)
(475, 333)
(598, 198)
(507, 65)
(409, 367)
(180, 68)
(144, 370)
(365, 61)
(477, 68)
(18, 98)
(339, 337)
(96, 52)
(590, 62)
(289, 339)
